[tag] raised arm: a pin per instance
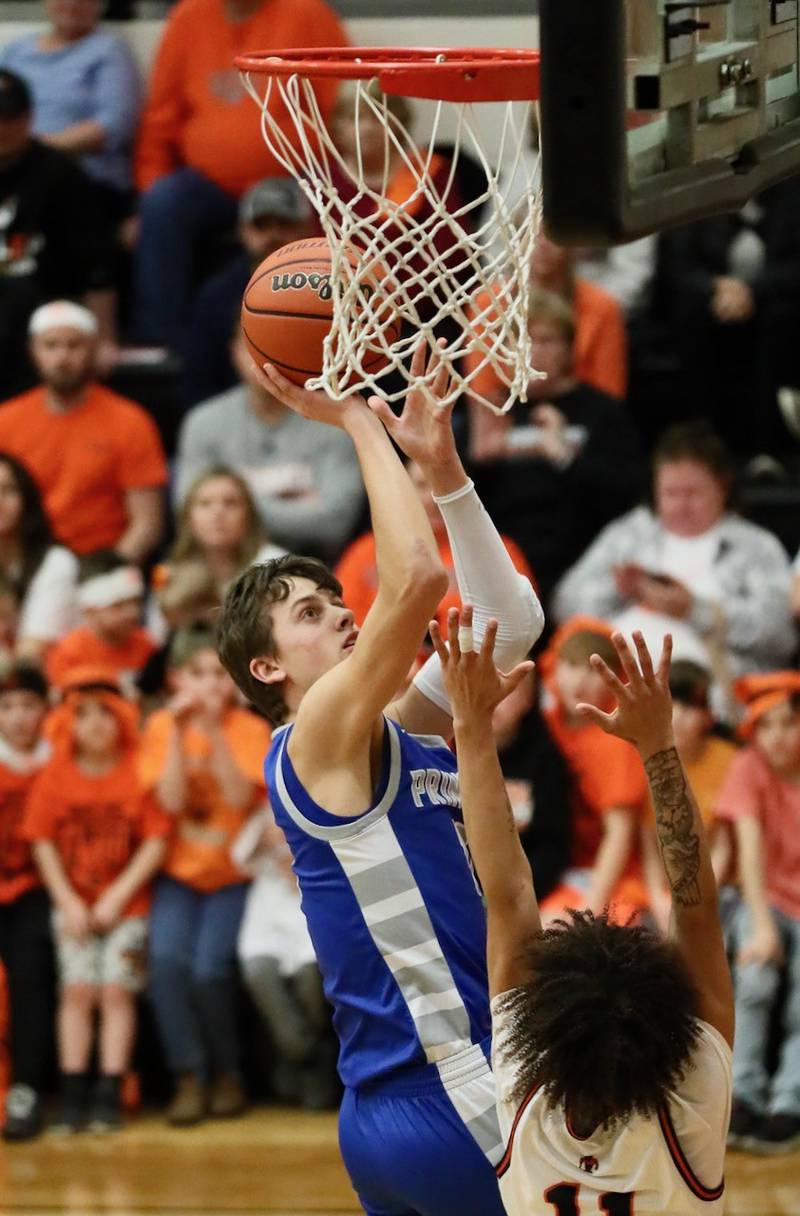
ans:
(485, 572)
(643, 716)
(339, 712)
(475, 687)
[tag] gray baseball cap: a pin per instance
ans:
(278, 197)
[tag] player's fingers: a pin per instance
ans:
(419, 357)
(438, 642)
(383, 411)
(629, 664)
(645, 661)
(487, 645)
(513, 678)
(606, 722)
(609, 678)
(453, 632)
(665, 660)
(442, 377)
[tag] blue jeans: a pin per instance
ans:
(756, 991)
(175, 213)
(193, 975)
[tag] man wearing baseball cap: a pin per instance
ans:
(272, 213)
(96, 457)
(53, 239)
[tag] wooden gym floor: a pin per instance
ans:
(276, 1162)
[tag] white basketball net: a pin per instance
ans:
(488, 248)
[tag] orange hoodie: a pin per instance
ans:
(197, 112)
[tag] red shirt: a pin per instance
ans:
(18, 872)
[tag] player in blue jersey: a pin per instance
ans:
(365, 787)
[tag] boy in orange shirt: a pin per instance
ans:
(25, 947)
(97, 840)
(110, 594)
(609, 791)
(203, 758)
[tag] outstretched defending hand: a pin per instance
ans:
(474, 685)
(643, 714)
(423, 431)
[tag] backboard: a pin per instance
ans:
(658, 112)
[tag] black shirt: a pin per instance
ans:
(51, 229)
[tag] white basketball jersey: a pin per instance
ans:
(671, 1163)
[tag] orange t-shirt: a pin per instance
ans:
(85, 460)
(357, 571)
(18, 872)
(607, 774)
(197, 112)
(95, 823)
(707, 774)
(199, 854)
(83, 648)
(601, 344)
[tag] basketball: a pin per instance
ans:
(287, 311)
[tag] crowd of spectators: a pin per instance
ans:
(137, 852)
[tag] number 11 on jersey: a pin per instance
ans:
(564, 1200)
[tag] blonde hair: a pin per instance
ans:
(553, 308)
(344, 109)
(185, 546)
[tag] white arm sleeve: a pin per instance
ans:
(487, 579)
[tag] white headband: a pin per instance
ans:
(63, 313)
(104, 590)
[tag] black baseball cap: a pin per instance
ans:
(15, 96)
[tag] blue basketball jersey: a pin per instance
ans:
(393, 908)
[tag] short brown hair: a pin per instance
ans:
(244, 630)
(698, 443)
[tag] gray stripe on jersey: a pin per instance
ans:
(439, 1014)
(443, 1026)
(424, 979)
(486, 1130)
(402, 932)
(382, 881)
(474, 1100)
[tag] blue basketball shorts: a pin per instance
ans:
(425, 1147)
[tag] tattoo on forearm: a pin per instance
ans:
(677, 837)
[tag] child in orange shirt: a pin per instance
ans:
(97, 840)
(609, 790)
(25, 947)
(110, 594)
(761, 797)
(203, 757)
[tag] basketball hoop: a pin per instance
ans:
(393, 210)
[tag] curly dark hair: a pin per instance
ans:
(608, 1024)
(35, 531)
(244, 627)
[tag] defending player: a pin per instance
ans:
(612, 1048)
(366, 791)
